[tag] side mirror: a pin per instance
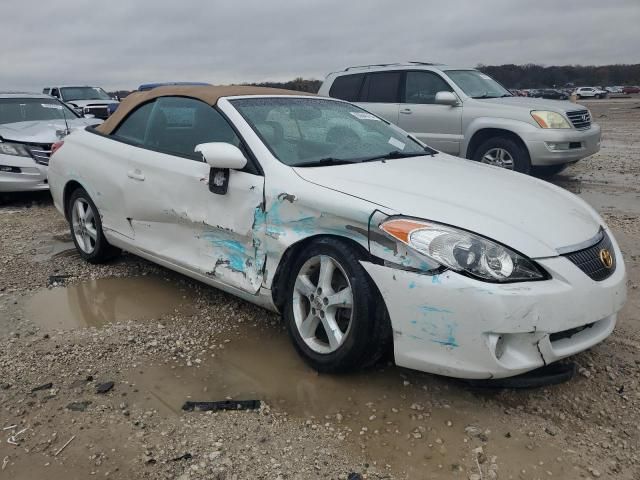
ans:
(221, 157)
(446, 98)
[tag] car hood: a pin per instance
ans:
(41, 131)
(531, 103)
(524, 213)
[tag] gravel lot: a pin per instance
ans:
(162, 339)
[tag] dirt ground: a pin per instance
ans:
(71, 328)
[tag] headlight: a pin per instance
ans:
(463, 251)
(549, 119)
(16, 149)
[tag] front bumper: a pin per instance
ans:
(32, 176)
(453, 325)
(584, 144)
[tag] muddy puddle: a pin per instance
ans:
(617, 193)
(412, 422)
(98, 302)
(48, 247)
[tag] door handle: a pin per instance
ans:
(136, 175)
(406, 111)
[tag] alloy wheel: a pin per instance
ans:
(323, 304)
(83, 221)
(499, 157)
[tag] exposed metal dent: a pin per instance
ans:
(287, 196)
(262, 297)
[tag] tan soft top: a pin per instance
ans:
(208, 94)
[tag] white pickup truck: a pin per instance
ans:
(85, 100)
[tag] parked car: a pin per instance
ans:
(466, 113)
(29, 124)
(85, 100)
(148, 86)
(590, 92)
(629, 90)
(551, 94)
(360, 235)
(614, 89)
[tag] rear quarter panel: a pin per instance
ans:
(99, 164)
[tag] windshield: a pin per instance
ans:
(477, 85)
(310, 131)
(84, 93)
(13, 110)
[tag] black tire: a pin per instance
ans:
(548, 171)
(368, 337)
(519, 154)
(102, 250)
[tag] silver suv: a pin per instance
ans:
(464, 112)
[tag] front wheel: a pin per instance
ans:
(334, 313)
(503, 152)
(86, 229)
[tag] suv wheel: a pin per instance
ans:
(333, 312)
(505, 153)
(86, 229)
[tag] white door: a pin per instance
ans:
(175, 216)
(439, 126)
(111, 156)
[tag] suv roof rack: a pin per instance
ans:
(372, 65)
(390, 65)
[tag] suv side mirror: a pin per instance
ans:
(446, 98)
(221, 157)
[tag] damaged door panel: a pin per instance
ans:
(176, 218)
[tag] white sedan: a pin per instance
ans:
(361, 236)
(29, 124)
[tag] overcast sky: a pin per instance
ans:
(118, 44)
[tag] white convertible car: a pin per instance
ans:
(361, 236)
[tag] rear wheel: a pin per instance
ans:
(86, 229)
(334, 313)
(503, 152)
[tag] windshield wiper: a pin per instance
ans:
(325, 162)
(398, 154)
